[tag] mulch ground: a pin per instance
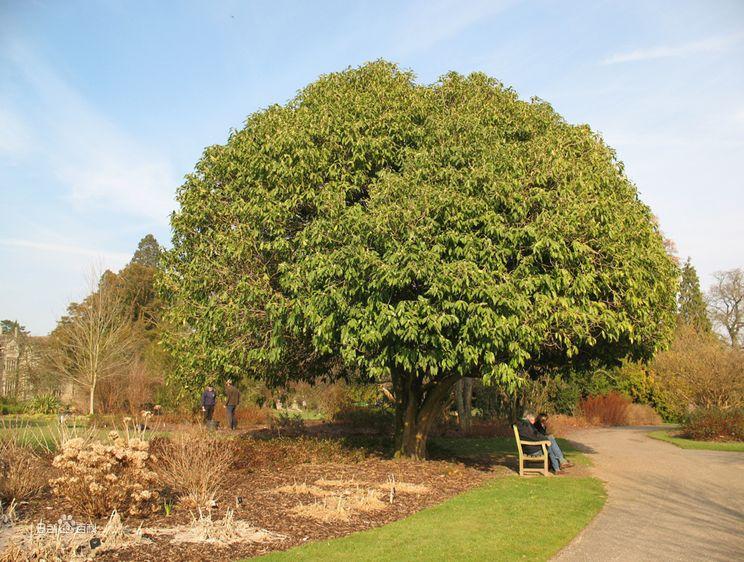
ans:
(262, 465)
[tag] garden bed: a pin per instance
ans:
(298, 489)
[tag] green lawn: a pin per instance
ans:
(505, 519)
(664, 435)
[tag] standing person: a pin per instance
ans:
(208, 401)
(233, 399)
(541, 427)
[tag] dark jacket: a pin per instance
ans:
(527, 432)
(233, 396)
(209, 398)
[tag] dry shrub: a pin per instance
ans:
(561, 424)
(642, 414)
(606, 409)
(23, 471)
(195, 464)
(700, 371)
(714, 424)
(27, 544)
(99, 478)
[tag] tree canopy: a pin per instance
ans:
(148, 252)
(415, 233)
(690, 301)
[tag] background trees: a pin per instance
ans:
(95, 340)
(726, 303)
(107, 344)
(418, 233)
(691, 305)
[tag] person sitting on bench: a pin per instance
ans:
(530, 431)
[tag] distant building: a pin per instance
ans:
(13, 382)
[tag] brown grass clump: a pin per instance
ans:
(364, 501)
(642, 414)
(23, 471)
(606, 409)
(195, 465)
(327, 510)
(203, 529)
(99, 478)
(341, 504)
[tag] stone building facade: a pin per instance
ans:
(13, 378)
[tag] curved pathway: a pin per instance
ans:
(664, 503)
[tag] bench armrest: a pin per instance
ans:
(534, 442)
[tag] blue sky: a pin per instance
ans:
(104, 106)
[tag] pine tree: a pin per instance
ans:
(690, 301)
(148, 252)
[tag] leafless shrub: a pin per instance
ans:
(195, 465)
(700, 371)
(23, 468)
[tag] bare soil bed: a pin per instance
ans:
(297, 489)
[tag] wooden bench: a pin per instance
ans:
(542, 458)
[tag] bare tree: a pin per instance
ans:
(95, 340)
(726, 303)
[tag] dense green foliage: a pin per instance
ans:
(414, 232)
(690, 300)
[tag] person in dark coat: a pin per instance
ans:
(208, 401)
(231, 403)
(528, 431)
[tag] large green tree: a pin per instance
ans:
(417, 233)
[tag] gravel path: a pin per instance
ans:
(665, 503)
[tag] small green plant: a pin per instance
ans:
(284, 422)
(167, 507)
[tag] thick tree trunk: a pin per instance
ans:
(416, 408)
(464, 397)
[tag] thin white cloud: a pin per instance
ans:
(710, 45)
(15, 138)
(115, 257)
(99, 164)
(430, 21)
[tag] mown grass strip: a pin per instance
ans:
(684, 443)
(505, 519)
